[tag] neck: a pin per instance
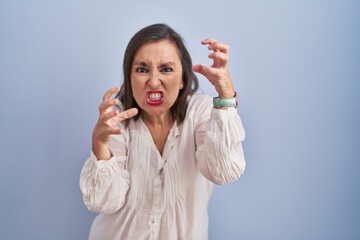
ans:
(159, 128)
(157, 121)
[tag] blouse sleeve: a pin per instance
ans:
(105, 183)
(219, 138)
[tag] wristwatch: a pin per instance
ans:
(225, 102)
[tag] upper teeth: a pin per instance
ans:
(154, 96)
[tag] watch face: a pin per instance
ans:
(236, 99)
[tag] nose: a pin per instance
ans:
(154, 81)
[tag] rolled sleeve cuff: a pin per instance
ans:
(99, 164)
(223, 114)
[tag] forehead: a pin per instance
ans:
(159, 50)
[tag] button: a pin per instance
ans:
(152, 221)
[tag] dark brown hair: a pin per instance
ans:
(155, 33)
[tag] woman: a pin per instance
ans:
(158, 147)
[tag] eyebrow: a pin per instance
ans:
(141, 63)
(167, 64)
(162, 65)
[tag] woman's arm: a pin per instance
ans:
(219, 154)
(104, 180)
(105, 183)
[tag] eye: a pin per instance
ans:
(141, 70)
(167, 70)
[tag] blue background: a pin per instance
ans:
(295, 65)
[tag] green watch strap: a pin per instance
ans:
(225, 102)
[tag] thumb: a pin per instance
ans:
(201, 69)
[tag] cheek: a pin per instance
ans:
(174, 92)
(136, 84)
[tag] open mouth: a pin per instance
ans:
(154, 98)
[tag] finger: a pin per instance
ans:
(205, 71)
(111, 130)
(105, 105)
(219, 47)
(215, 45)
(208, 41)
(104, 118)
(128, 114)
(113, 118)
(110, 92)
(200, 69)
(220, 59)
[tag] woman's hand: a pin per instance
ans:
(218, 74)
(109, 118)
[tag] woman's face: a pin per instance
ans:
(156, 77)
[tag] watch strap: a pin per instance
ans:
(225, 102)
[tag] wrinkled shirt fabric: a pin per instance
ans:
(141, 194)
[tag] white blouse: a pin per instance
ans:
(141, 194)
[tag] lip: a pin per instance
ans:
(154, 102)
